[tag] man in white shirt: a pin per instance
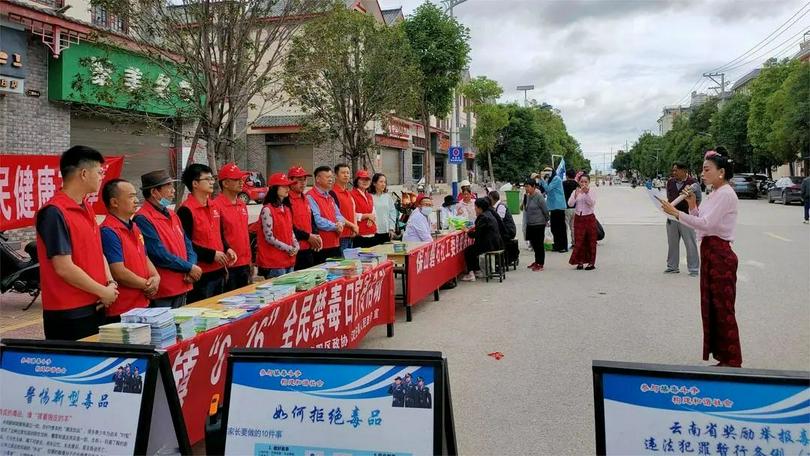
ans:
(418, 228)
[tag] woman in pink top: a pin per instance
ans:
(715, 221)
(584, 219)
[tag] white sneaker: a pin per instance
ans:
(469, 277)
(479, 274)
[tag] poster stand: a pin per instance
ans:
(641, 408)
(38, 379)
(336, 379)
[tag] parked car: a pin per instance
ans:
(255, 187)
(745, 186)
(763, 182)
(786, 190)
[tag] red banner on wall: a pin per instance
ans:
(432, 265)
(337, 314)
(29, 181)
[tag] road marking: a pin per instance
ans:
(776, 236)
(756, 264)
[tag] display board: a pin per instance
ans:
(336, 403)
(652, 409)
(87, 399)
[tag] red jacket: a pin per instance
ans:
(86, 252)
(346, 205)
(134, 251)
(326, 205)
(235, 226)
(302, 216)
(171, 234)
(268, 255)
(207, 229)
(364, 204)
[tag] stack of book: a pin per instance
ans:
(160, 320)
(125, 333)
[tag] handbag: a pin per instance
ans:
(600, 232)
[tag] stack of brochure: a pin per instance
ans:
(161, 321)
(125, 333)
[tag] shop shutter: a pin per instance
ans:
(392, 165)
(283, 157)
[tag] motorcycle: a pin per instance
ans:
(20, 274)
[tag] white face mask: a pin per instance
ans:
(426, 211)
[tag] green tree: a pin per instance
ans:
(558, 140)
(622, 162)
(760, 121)
(442, 50)
(646, 155)
(491, 118)
(346, 70)
(482, 90)
(789, 107)
(729, 127)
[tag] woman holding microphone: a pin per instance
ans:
(715, 224)
(277, 246)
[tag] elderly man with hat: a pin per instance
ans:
(166, 244)
(418, 228)
(364, 211)
(304, 227)
(234, 224)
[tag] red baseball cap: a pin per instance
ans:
(297, 171)
(278, 179)
(231, 171)
(362, 174)
(422, 197)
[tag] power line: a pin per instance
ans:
(770, 51)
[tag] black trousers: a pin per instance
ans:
(558, 230)
(471, 258)
(305, 259)
(238, 277)
(320, 257)
(382, 238)
(536, 235)
(73, 324)
(210, 284)
(363, 242)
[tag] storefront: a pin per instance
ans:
(440, 144)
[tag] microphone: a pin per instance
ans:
(686, 191)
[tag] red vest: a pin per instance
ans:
(302, 215)
(170, 232)
(326, 205)
(207, 229)
(346, 205)
(268, 255)
(364, 204)
(134, 259)
(86, 252)
(235, 225)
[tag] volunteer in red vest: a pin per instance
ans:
(304, 227)
(365, 214)
(123, 245)
(202, 222)
(343, 195)
(277, 245)
(235, 224)
(75, 279)
(326, 213)
(167, 246)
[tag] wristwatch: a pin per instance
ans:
(109, 282)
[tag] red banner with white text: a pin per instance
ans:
(28, 181)
(337, 314)
(432, 265)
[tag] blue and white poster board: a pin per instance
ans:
(333, 403)
(86, 398)
(657, 409)
(455, 155)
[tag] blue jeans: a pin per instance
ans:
(269, 273)
(807, 209)
(345, 243)
(172, 301)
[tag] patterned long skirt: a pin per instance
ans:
(584, 240)
(718, 292)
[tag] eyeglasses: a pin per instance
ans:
(209, 179)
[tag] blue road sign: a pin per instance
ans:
(455, 155)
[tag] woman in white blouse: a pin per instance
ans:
(387, 214)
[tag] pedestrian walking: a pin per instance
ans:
(569, 185)
(536, 217)
(167, 245)
(715, 223)
(74, 275)
(584, 254)
(235, 225)
(676, 231)
(123, 245)
(806, 199)
(277, 245)
(387, 214)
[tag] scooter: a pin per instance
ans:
(20, 274)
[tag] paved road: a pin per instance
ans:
(550, 325)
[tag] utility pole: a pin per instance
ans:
(721, 84)
(455, 120)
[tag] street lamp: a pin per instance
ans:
(525, 89)
(455, 132)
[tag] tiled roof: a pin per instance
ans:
(278, 121)
(390, 15)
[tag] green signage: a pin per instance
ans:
(112, 77)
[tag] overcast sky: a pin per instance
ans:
(611, 65)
